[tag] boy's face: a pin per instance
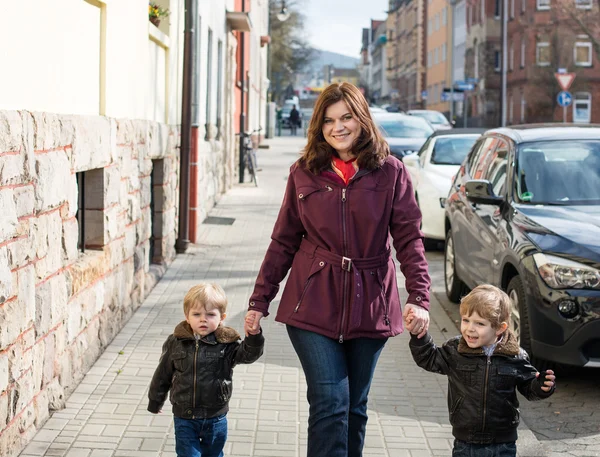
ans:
(204, 321)
(478, 331)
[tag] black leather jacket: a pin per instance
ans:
(482, 399)
(198, 372)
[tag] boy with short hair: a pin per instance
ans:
(196, 365)
(484, 367)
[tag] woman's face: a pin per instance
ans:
(340, 127)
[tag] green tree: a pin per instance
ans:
(290, 52)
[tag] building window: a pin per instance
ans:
(583, 54)
(482, 8)
(219, 87)
(510, 110)
(90, 209)
(444, 51)
(497, 6)
(583, 4)
(512, 9)
(435, 56)
(582, 108)
(445, 15)
(522, 52)
(511, 57)
(209, 67)
(542, 54)
(523, 107)
(523, 6)
(542, 4)
(497, 61)
(157, 211)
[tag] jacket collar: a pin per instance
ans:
(507, 346)
(221, 335)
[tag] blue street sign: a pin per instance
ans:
(462, 85)
(424, 95)
(564, 99)
(472, 80)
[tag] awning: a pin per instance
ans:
(239, 21)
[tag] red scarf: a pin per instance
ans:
(344, 170)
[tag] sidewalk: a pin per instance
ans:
(106, 415)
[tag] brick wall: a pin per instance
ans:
(59, 306)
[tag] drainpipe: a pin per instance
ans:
(243, 94)
(183, 241)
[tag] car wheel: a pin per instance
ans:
(520, 324)
(454, 286)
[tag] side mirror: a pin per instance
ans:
(481, 191)
(411, 160)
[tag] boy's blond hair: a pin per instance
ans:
(489, 302)
(207, 296)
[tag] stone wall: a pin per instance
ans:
(89, 211)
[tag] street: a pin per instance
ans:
(568, 423)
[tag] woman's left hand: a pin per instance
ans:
(419, 323)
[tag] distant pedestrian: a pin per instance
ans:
(485, 366)
(347, 199)
(196, 365)
(294, 120)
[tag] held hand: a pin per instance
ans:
(548, 382)
(252, 322)
(417, 319)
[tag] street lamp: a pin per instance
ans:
(284, 14)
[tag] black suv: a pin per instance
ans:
(523, 214)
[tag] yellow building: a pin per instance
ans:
(439, 53)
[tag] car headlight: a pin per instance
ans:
(560, 273)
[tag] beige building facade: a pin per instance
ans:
(439, 53)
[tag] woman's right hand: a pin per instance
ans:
(252, 322)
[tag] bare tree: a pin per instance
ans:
(583, 20)
(290, 52)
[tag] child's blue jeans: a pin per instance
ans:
(464, 449)
(200, 437)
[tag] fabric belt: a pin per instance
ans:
(345, 263)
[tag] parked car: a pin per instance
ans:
(437, 119)
(524, 214)
(432, 170)
(405, 134)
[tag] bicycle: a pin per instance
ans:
(250, 154)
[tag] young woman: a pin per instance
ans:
(345, 196)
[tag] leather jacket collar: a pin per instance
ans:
(222, 334)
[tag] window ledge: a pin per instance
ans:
(160, 38)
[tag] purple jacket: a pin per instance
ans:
(336, 239)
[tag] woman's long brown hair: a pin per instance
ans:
(370, 148)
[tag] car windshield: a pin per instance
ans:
(451, 150)
(432, 116)
(404, 128)
(559, 172)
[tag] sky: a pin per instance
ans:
(336, 25)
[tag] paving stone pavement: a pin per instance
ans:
(106, 415)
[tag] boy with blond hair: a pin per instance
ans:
(196, 365)
(485, 366)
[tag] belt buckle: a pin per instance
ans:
(346, 264)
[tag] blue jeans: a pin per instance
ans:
(200, 437)
(464, 449)
(339, 378)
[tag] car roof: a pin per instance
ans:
(544, 132)
(423, 111)
(459, 131)
(390, 116)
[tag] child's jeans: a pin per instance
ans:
(200, 437)
(463, 449)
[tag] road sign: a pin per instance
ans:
(565, 80)
(447, 96)
(462, 85)
(424, 95)
(564, 99)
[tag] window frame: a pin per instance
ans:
(538, 46)
(583, 44)
(588, 100)
(542, 5)
(580, 6)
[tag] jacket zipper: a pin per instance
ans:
(345, 282)
(386, 319)
(195, 366)
(302, 295)
(485, 390)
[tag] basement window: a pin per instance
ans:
(90, 209)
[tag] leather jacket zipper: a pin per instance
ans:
(485, 391)
(345, 282)
(195, 366)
